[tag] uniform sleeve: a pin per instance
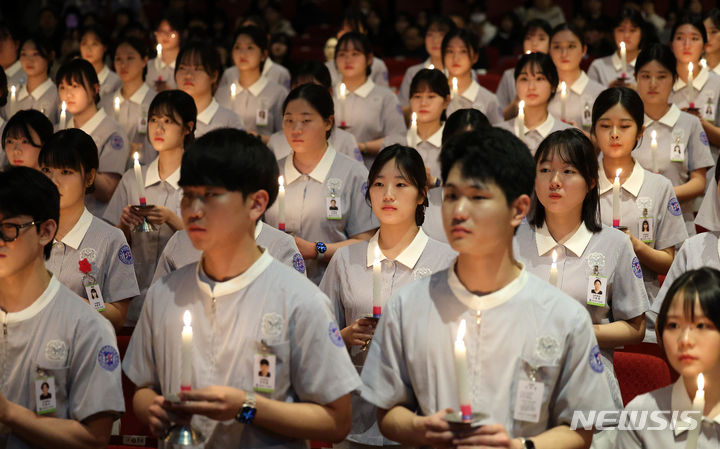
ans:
(114, 153)
(629, 298)
(118, 279)
(381, 77)
(394, 129)
(139, 363)
(404, 92)
(286, 251)
(670, 229)
(699, 148)
(678, 267)
(119, 199)
(222, 96)
(331, 285)
(277, 108)
(594, 71)
(165, 264)
(491, 107)
(505, 91)
(348, 146)
(628, 437)
(361, 217)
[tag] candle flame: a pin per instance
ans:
(617, 173)
(703, 63)
(117, 102)
(554, 256)
(455, 83)
(431, 67)
(528, 52)
(63, 107)
(281, 182)
(653, 135)
(521, 107)
(187, 318)
(12, 89)
(461, 332)
(690, 68)
(233, 89)
(700, 382)
(414, 119)
(158, 48)
(622, 45)
(136, 156)
(343, 90)
(563, 88)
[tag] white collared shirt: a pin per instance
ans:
(132, 116)
(43, 98)
(341, 140)
(158, 70)
(477, 97)
(216, 116)
(429, 149)
(271, 70)
(15, 75)
(533, 137)
(259, 106)
(109, 82)
(706, 88)
(75, 236)
(608, 69)
(579, 101)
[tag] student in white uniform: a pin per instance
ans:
(161, 69)
(460, 52)
(129, 104)
(344, 143)
(437, 28)
(257, 100)
(688, 333)
(78, 86)
(171, 127)
(94, 44)
(429, 99)
(88, 255)
(245, 307)
(647, 200)
(9, 49)
(564, 220)
(398, 196)
(50, 336)
(38, 92)
(712, 47)
(536, 39)
(314, 175)
(567, 49)
(536, 80)
(544, 337)
(608, 71)
(682, 154)
(370, 112)
(270, 70)
(23, 136)
(196, 73)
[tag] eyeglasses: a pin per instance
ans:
(10, 231)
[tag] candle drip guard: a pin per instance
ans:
(145, 226)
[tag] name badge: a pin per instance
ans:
(677, 149)
(334, 211)
(264, 372)
(597, 290)
(645, 228)
(587, 117)
(92, 289)
(528, 401)
(262, 115)
(142, 124)
(45, 401)
(708, 111)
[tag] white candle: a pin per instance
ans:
(520, 119)
(616, 199)
(342, 94)
(563, 99)
(377, 284)
(653, 148)
(431, 67)
(698, 406)
(553, 270)
(139, 180)
(691, 92)
(454, 87)
(281, 203)
(461, 372)
(233, 90)
(158, 49)
(63, 115)
(12, 100)
(703, 63)
(413, 131)
(623, 60)
(528, 52)
(116, 106)
(186, 353)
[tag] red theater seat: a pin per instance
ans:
(639, 373)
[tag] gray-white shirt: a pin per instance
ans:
(433, 224)
(534, 137)
(132, 116)
(429, 149)
(43, 98)
(271, 70)
(16, 76)
(269, 308)
(507, 90)
(477, 97)
(341, 140)
(109, 82)
(259, 106)
(216, 116)
(404, 92)
(157, 70)
(378, 72)
(579, 101)
(60, 335)
(608, 69)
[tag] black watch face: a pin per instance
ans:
(247, 414)
(529, 444)
(320, 247)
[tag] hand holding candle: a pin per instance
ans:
(553, 270)
(281, 203)
(377, 284)
(563, 100)
(616, 199)
(186, 353)
(139, 180)
(461, 372)
(698, 406)
(623, 60)
(653, 149)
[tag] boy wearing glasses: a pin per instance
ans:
(51, 339)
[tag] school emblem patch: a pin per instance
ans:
(108, 358)
(421, 272)
(125, 255)
(334, 334)
(299, 263)
(674, 207)
(88, 253)
(637, 270)
(594, 359)
(272, 325)
(704, 138)
(56, 350)
(547, 348)
(116, 142)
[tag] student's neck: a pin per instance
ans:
(393, 239)
(713, 59)
(306, 161)
(98, 66)
(232, 258)
(712, 392)
(355, 82)
(203, 101)
(169, 161)
(562, 226)
(683, 72)
(129, 88)
(35, 81)
(169, 55)
(427, 129)
(464, 82)
(82, 117)
(487, 274)
(611, 166)
(68, 219)
(569, 76)
(21, 289)
(535, 116)
(247, 78)
(656, 111)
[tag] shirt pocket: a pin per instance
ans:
(281, 350)
(531, 368)
(59, 371)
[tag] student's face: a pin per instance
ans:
(433, 41)
(393, 197)
(304, 127)
(616, 132)
(165, 133)
(533, 86)
(713, 34)
(32, 62)
(654, 83)
(536, 41)
(246, 54)
(264, 369)
(630, 34)
(193, 79)
(597, 285)
(692, 347)
(687, 44)
(45, 388)
(77, 97)
(560, 187)
(167, 37)
(428, 105)
(20, 150)
(566, 51)
(91, 48)
(129, 64)
(70, 183)
(352, 62)
(458, 58)
(8, 52)
(27, 247)
(476, 217)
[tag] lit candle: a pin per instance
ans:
(186, 353)
(377, 284)
(691, 92)
(698, 406)
(653, 148)
(63, 115)
(563, 99)
(281, 203)
(12, 100)
(413, 131)
(342, 94)
(553, 270)
(623, 60)
(116, 103)
(158, 49)
(454, 87)
(139, 179)
(703, 63)
(233, 90)
(431, 67)
(528, 52)
(616, 199)
(520, 119)
(461, 371)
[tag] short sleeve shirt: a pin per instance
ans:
(433, 224)
(534, 137)
(429, 149)
(378, 72)
(477, 97)
(271, 70)
(608, 69)
(216, 116)
(132, 116)
(404, 92)
(269, 308)
(579, 102)
(109, 82)
(43, 98)
(157, 70)
(341, 140)
(63, 337)
(258, 104)
(16, 76)
(507, 91)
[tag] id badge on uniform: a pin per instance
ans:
(264, 372)
(597, 290)
(587, 117)
(677, 149)
(142, 124)
(92, 288)
(528, 401)
(45, 401)
(708, 111)
(262, 115)
(645, 229)
(333, 206)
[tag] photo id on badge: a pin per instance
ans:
(645, 229)
(677, 149)
(142, 124)
(528, 401)
(333, 208)
(597, 290)
(94, 294)
(261, 117)
(264, 373)
(708, 111)
(45, 394)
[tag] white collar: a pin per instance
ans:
(209, 112)
(365, 89)
(577, 243)
(544, 128)
(680, 401)
(159, 64)
(471, 92)
(435, 140)
(137, 97)
(320, 171)
(408, 257)
(152, 175)
(490, 300)
(37, 93)
(717, 69)
(237, 283)
(76, 235)
(669, 119)
(256, 87)
(632, 184)
(266, 67)
(258, 228)
(13, 69)
(90, 125)
(579, 85)
(37, 306)
(698, 82)
(617, 63)
(103, 74)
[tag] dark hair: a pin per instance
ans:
(216, 158)
(411, 165)
(535, 25)
(571, 27)
(714, 16)
(70, 148)
(26, 191)
(359, 42)
(703, 284)
(208, 55)
(99, 32)
(264, 362)
(7, 31)
(464, 120)
(717, 172)
(693, 20)
(175, 21)
(257, 35)
(543, 62)
(82, 72)
(43, 46)
(45, 384)
(491, 155)
(441, 22)
(468, 38)
(433, 80)
(635, 17)
(624, 96)
(136, 44)
(23, 121)
(355, 19)
(318, 97)
(577, 150)
(173, 104)
(312, 69)
(660, 53)
(3, 87)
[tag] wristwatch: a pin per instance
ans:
(527, 444)
(247, 412)
(320, 248)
